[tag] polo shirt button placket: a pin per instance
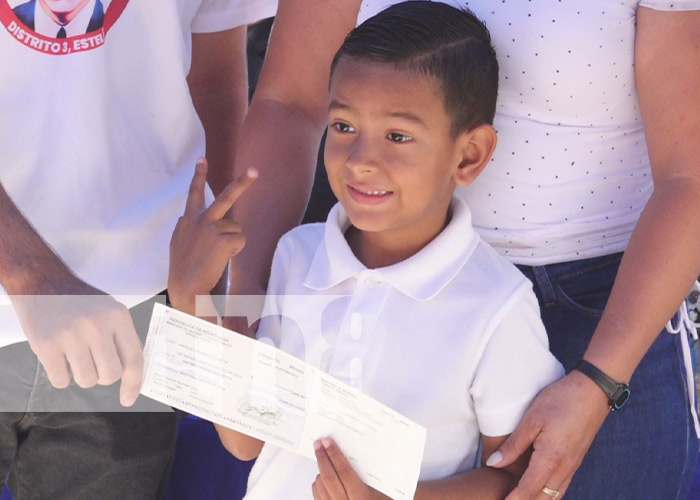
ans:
(356, 326)
(370, 279)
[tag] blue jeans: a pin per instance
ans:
(648, 450)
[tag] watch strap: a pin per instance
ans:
(617, 392)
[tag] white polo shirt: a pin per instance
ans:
(451, 338)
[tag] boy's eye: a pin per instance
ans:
(343, 128)
(397, 137)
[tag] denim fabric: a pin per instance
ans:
(78, 454)
(648, 450)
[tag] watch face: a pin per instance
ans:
(620, 398)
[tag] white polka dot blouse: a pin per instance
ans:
(571, 173)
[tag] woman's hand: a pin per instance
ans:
(560, 424)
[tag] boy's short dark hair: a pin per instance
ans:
(449, 44)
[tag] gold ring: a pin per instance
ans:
(551, 493)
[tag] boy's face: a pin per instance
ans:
(389, 153)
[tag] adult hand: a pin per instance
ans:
(336, 479)
(560, 424)
(204, 239)
(79, 331)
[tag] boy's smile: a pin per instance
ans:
(368, 196)
(389, 154)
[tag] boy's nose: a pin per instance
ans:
(362, 157)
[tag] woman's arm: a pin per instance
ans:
(663, 256)
(282, 131)
(659, 265)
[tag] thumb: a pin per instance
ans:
(195, 196)
(513, 447)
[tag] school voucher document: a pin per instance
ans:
(254, 388)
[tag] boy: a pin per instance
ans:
(431, 321)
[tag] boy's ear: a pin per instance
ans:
(476, 147)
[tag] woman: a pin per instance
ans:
(598, 123)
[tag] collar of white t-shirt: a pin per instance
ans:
(78, 26)
(420, 277)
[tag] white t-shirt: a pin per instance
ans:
(570, 174)
(451, 338)
(99, 137)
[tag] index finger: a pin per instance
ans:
(332, 483)
(131, 355)
(195, 196)
(540, 472)
(230, 194)
(516, 444)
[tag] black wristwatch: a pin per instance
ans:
(617, 393)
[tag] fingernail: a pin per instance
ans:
(326, 443)
(128, 400)
(252, 173)
(317, 445)
(200, 161)
(494, 459)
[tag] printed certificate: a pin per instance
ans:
(253, 388)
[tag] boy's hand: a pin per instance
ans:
(337, 480)
(204, 239)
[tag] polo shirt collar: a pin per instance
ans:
(421, 276)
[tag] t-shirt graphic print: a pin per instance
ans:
(60, 27)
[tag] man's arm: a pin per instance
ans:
(281, 134)
(73, 328)
(218, 83)
(659, 265)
